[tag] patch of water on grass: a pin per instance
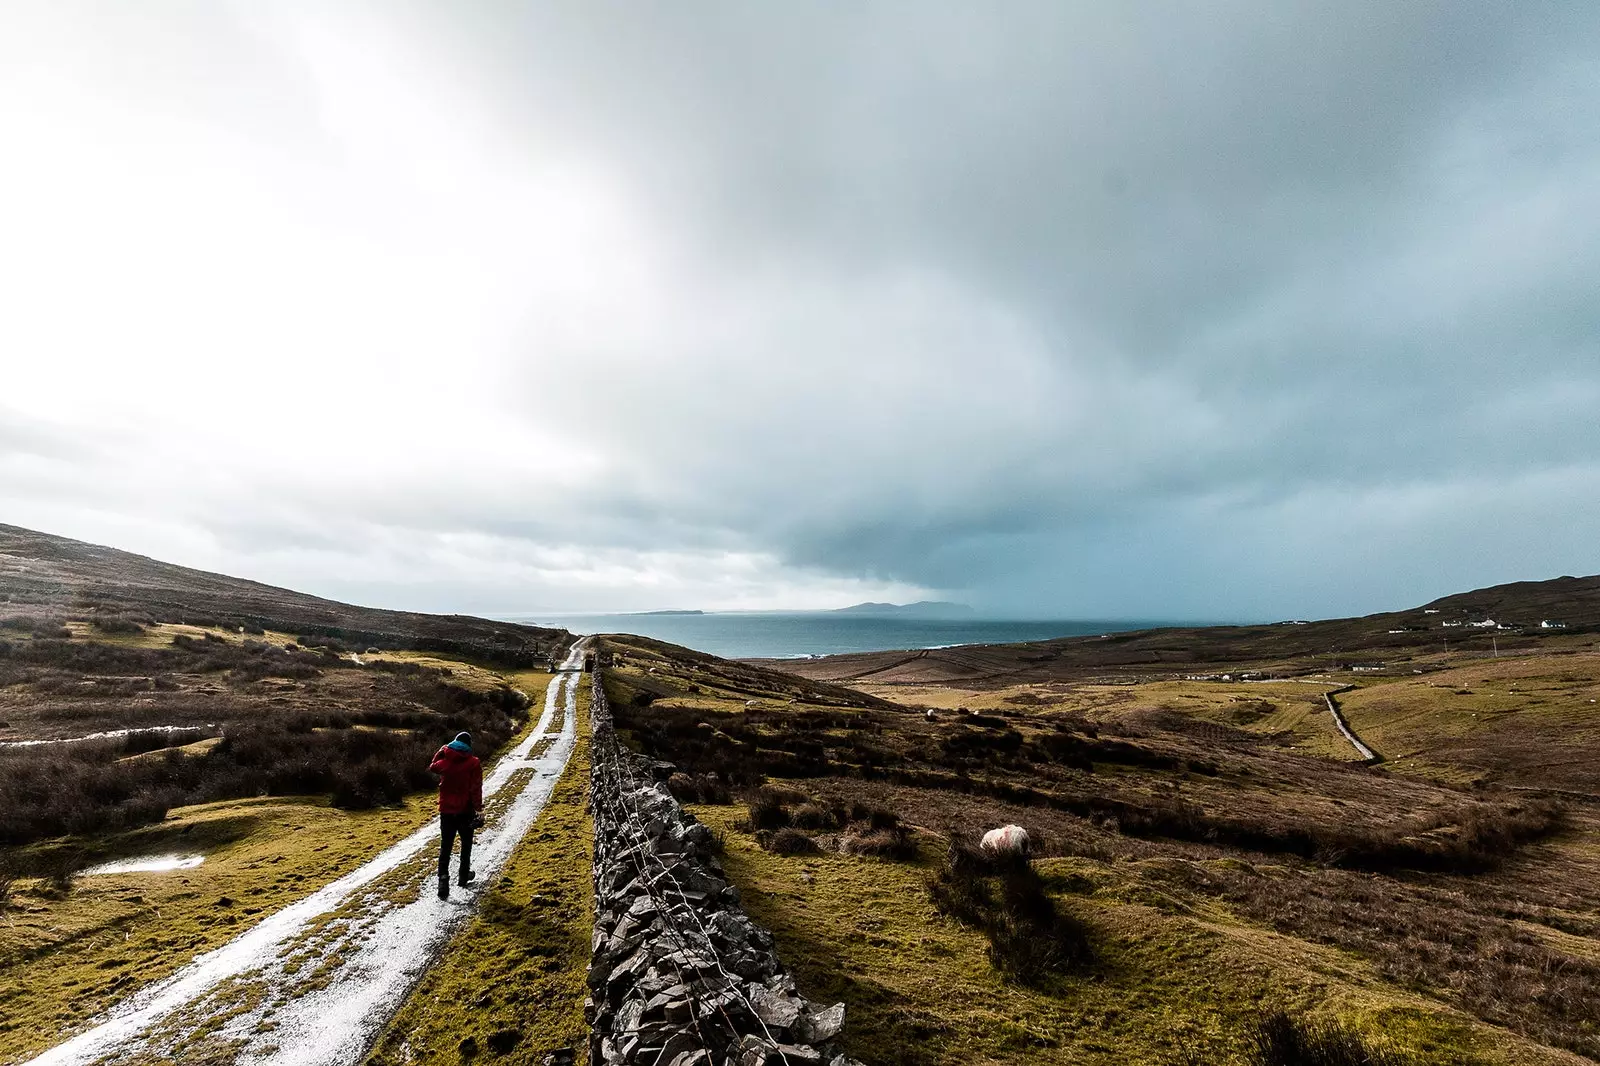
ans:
(116, 734)
(148, 864)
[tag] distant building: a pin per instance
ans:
(1451, 625)
(1487, 623)
(1430, 610)
(1548, 624)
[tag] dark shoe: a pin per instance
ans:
(444, 889)
(467, 878)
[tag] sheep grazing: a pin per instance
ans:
(1007, 840)
(929, 714)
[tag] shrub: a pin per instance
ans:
(115, 624)
(813, 816)
(698, 788)
(959, 889)
(893, 843)
(873, 816)
(1278, 1039)
(1029, 936)
(788, 842)
(61, 869)
(769, 807)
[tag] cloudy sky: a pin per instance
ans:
(1222, 310)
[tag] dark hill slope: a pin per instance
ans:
(1574, 601)
(55, 577)
(1392, 638)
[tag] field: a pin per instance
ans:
(1212, 861)
(1226, 850)
(270, 741)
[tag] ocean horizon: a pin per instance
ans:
(808, 634)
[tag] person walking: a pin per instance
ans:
(460, 801)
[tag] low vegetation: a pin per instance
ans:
(278, 733)
(1279, 1039)
(1202, 890)
(1030, 936)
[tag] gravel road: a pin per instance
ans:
(314, 984)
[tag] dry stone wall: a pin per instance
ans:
(680, 975)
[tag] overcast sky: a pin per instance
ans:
(1162, 310)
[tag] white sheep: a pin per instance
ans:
(929, 714)
(1007, 840)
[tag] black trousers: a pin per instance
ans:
(449, 826)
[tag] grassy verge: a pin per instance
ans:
(511, 987)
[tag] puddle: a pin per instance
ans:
(148, 864)
(117, 734)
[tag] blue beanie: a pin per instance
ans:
(462, 742)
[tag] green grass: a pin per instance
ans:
(65, 960)
(1519, 720)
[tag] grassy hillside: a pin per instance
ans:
(1218, 843)
(280, 738)
(45, 579)
(1395, 642)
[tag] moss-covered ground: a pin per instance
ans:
(511, 987)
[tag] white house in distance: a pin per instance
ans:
(1548, 624)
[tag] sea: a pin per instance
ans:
(807, 634)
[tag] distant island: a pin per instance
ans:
(920, 609)
(653, 614)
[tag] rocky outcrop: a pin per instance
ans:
(680, 975)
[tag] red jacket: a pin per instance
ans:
(460, 781)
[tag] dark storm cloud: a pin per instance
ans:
(1249, 254)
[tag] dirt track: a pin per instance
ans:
(313, 984)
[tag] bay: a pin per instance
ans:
(802, 634)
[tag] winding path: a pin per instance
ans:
(1344, 725)
(314, 984)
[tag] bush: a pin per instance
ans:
(1030, 938)
(1281, 1040)
(813, 816)
(698, 788)
(873, 816)
(115, 624)
(61, 870)
(788, 842)
(895, 843)
(768, 807)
